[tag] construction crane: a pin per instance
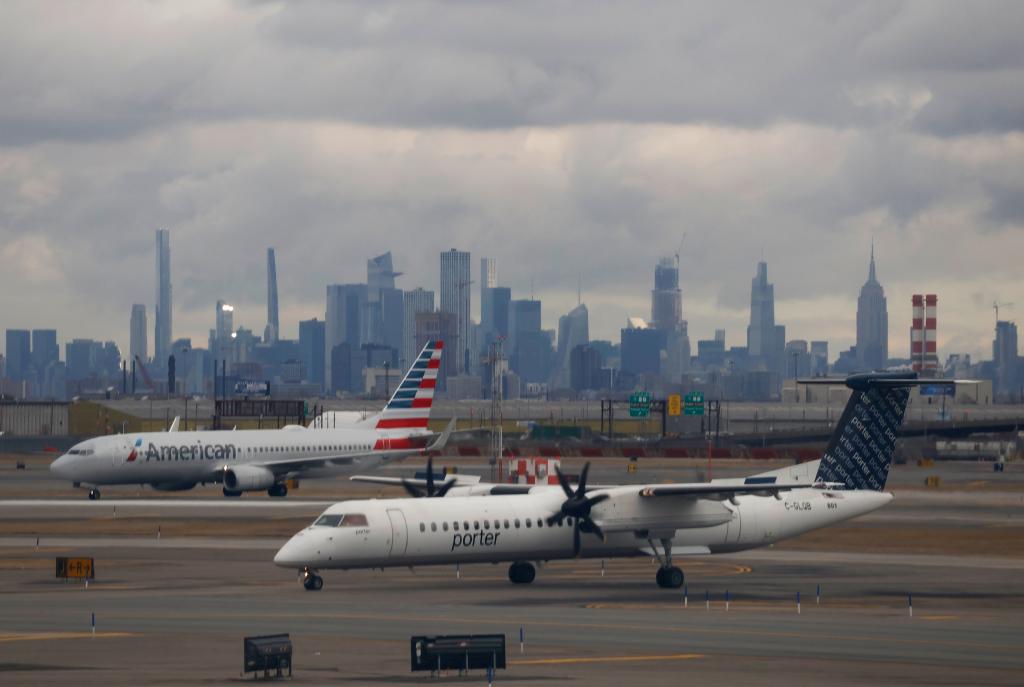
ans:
(145, 373)
(996, 305)
(679, 250)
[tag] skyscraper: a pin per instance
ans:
(311, 347)
(346, 309)
(44, 350)
(666, 298)
(273, 328)
(765, 339)
(573, 331)
(416, 301)
(162, 338)
(488, 280)
(872, 323)
(138, 345)
(19, 354)
(385, 315)
(1005, 358)
(455, 299)
(223, 347)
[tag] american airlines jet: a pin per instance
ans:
(523, 524)
(256, 460)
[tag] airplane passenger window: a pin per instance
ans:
(476, 524)
(465, 525)
(497, 524)
(529, 523)
(455, 525)
(517, 523)
(423, 527)
(444, 526)
(540, 523)
(487, 525)
(506, 524)
(433, 527)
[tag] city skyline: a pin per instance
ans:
(542, 150)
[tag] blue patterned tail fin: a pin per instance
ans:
(861, 449)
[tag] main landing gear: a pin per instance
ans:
(94, 494)
(278, 490)
(669, 576)
(311, 581)
(231, 493)
(522, 573)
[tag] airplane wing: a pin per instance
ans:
(720, 492)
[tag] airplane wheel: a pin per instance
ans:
(94, 494)
(313, 583)
(670, 578)
(231, 494)
(278, 490)
(522, 573)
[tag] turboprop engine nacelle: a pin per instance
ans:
(248, 478)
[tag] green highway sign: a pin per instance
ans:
(693, 403)
(640, 404)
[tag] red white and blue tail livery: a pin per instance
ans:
(409, 407)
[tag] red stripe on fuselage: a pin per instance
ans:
(402, 423)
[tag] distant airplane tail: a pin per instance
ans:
(409, 407)
(861, 449)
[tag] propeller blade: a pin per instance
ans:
(445, 486)
(581, 488)
(576, 539)
(430, 475)
(413, 490)
(597, 530)
(594, 500)
(552, 519)
(564, 482)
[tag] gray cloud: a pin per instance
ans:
(565, 140)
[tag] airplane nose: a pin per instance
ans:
(62, 467)
(291, 555)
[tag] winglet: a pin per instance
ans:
(442, 440)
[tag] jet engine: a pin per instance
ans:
(248, 478)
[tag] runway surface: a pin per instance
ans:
(174, 609)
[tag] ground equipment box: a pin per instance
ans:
(457, 652)
(268, 652)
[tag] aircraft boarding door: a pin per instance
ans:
(399, 534)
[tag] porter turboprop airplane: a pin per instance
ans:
(524, 524)
(254, 460)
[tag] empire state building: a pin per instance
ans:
(872, 323)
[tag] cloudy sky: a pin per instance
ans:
(568, 140)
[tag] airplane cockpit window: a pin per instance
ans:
(80, 452)
(354, 520)
(328, 521)
(341, 520)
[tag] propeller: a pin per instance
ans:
(431, 491)
(577, 505)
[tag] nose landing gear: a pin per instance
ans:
(311, 581)
(94, 494)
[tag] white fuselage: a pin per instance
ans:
(175, 460)
(404, 532)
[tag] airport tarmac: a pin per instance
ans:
(174, 609)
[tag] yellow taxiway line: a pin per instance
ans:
(36, 636)
(604, 659)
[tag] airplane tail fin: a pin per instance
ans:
(860, 451)
(409, 407)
